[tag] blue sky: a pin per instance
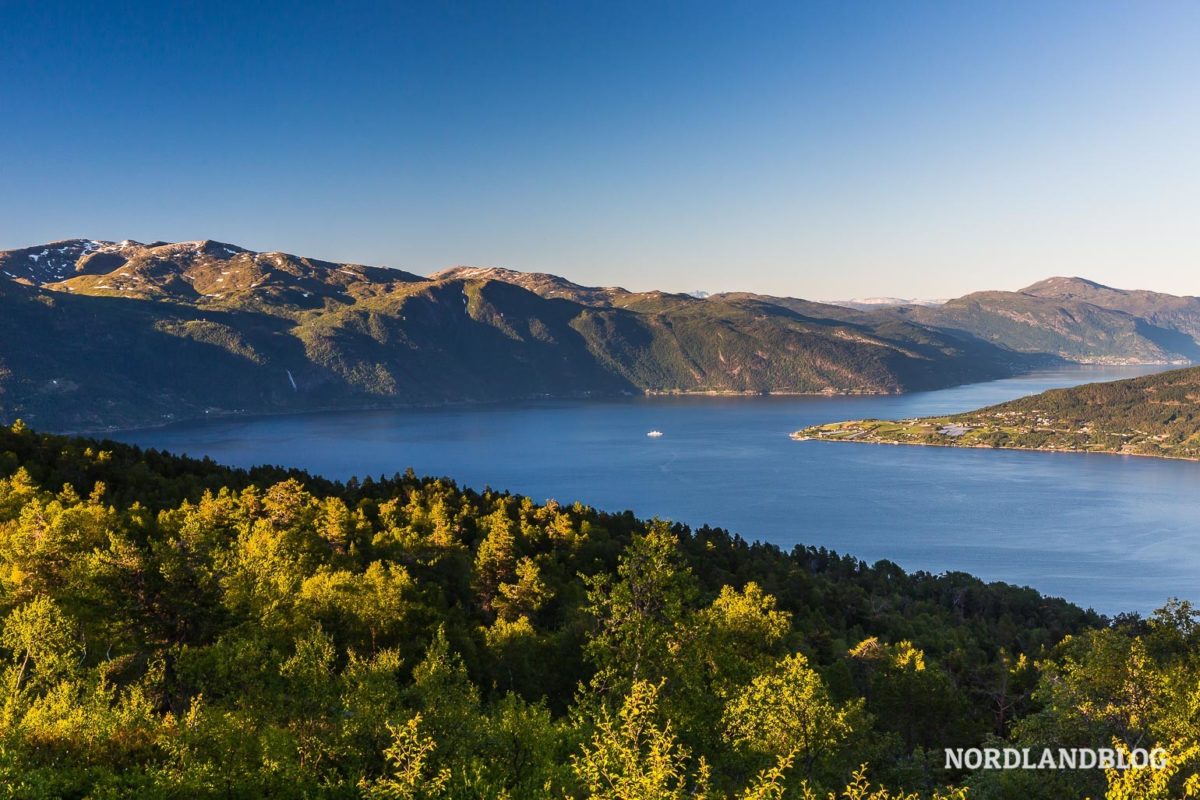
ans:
(822, 150)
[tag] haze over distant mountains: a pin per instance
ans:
(876, 303)
(101, 334)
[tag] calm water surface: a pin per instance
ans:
(1116, 533)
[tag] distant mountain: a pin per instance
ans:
(101, 334)
(808, 308)
(1155, 415)
(1165, 311)
(1075, 319)
(874, 303)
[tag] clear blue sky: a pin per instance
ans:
(822, 150)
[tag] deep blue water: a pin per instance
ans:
(1116, 533)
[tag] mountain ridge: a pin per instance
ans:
(99, 334)
(1075, 319)
(95, 335)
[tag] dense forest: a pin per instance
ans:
(1154, 415)
(173, 628)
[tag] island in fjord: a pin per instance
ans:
(1154, 415)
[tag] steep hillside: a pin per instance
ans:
(753, 346)
(1077, 320)
(73, 362)
(1162, 310)
(1155, 415)
(94, 362)
(743, 342)
(97, 334)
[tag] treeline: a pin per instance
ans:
(174, 628)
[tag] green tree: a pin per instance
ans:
(495, 559)
(524, 596)
(448, 701)
(639, 614)
(787, 711)
(412, 778)
(44, 648)
(635, 757)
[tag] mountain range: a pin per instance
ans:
(1077, 320)
(97, 334)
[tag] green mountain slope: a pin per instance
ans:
(742, 342)
(1155, 415)
(101, 334)
(71, 361)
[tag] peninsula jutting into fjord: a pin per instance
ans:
(1154, 415)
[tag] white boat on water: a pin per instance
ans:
(654, 434)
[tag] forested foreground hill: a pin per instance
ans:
(172, 628)
(1154, 415)
(98, 335)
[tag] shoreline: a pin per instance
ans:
(796, 437)
(226, 414)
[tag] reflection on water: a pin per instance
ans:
(1116, 533)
